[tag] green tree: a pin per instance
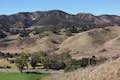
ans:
(34, 60)
(22, 61)
(57, 61)
(93, 60)
(38, 57)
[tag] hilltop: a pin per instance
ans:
(24, 23)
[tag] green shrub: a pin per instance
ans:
(93, 60)
(22, 61)
(82, 63)
(57, 61)
(69, 68)
(36, 58)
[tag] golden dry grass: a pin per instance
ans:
(108, 71)
(90, 42)
(4, 63)
(32, 44)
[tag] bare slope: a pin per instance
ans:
(90, 42)
(47, 43)
(100, 41)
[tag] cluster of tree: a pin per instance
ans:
(82, 63)
(70, 30)
(55, 62)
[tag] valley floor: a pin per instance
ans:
(21, 76)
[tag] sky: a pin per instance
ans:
(96, 7)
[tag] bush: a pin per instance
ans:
(72, 29)
(55, 65)
(82, 63)
(70, 67)
(37, 58)
(57, 61)
(93, 60)
(34, 60)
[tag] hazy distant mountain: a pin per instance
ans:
(54, 20)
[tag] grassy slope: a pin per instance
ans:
(108, 71)
(90, 42)
(21, 76)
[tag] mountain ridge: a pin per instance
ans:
(17, 23)
(50, 32)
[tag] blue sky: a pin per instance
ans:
(96, 7)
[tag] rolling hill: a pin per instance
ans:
(93, 42)
(55, 31)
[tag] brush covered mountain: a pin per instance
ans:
(56, 31)
(55, 20)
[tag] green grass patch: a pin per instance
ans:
(22, 76)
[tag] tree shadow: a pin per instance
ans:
(33, 73)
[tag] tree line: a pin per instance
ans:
(55, 62)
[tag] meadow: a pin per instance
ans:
(21, 76)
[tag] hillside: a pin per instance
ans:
(48, 43)
(99, 42)
(108, 71)
(55, 31)
(93, 42)
(55, 20)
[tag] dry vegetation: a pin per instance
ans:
(92, 42)
(102, 42)
(6, 64)
(46, 43)
(108, 71)
(96, 42)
